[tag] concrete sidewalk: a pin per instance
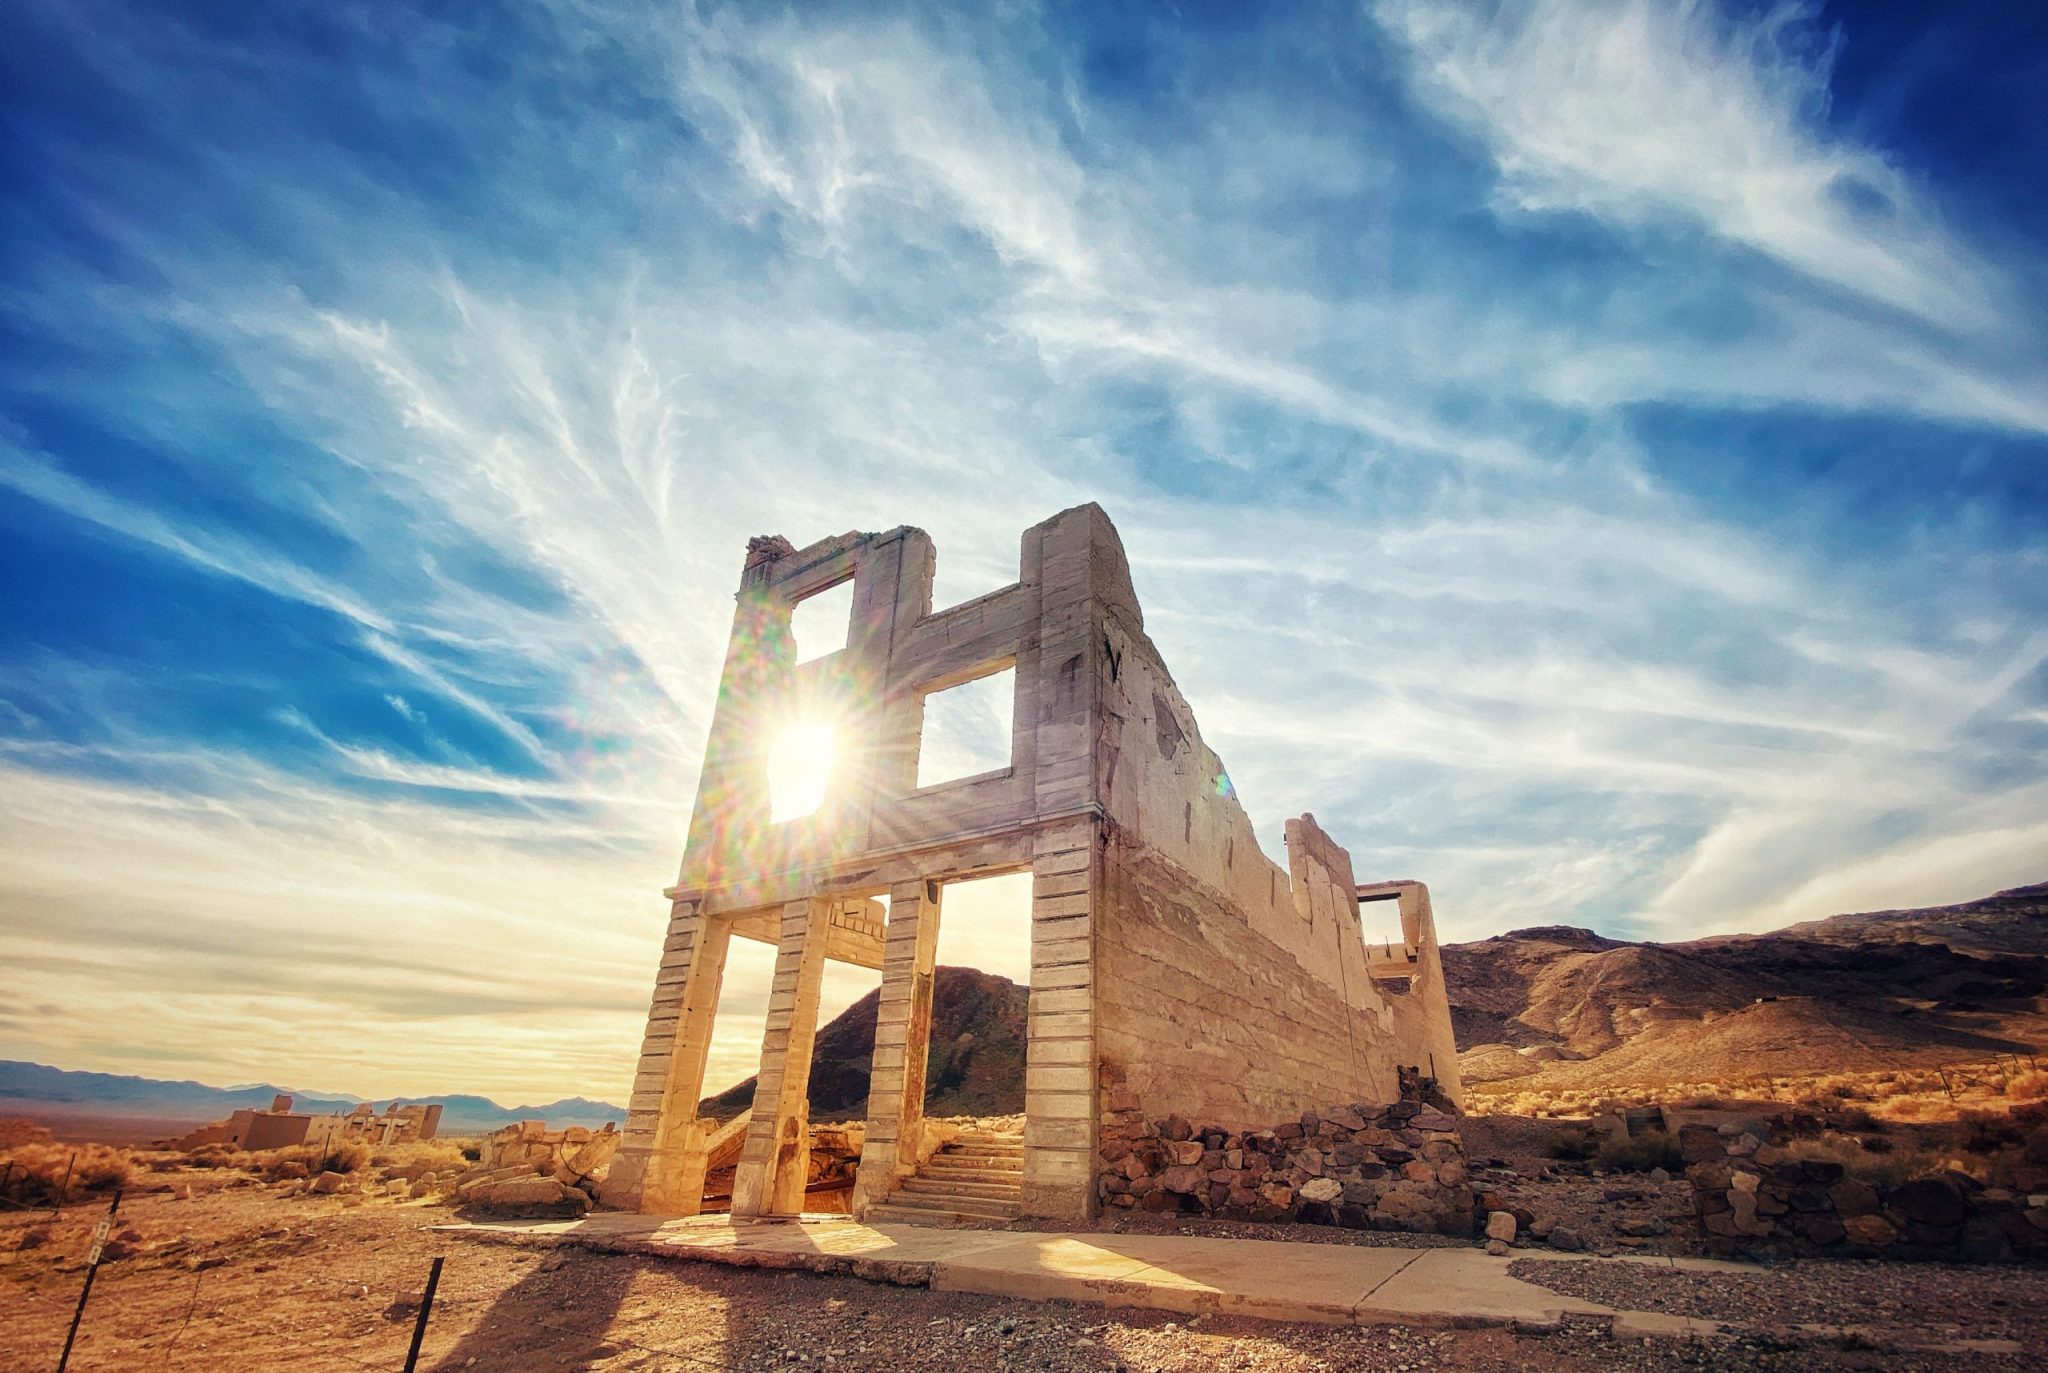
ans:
(1343, 1284)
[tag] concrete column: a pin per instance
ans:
(1059, 1073)
(660, 1163)
(775, 1161)
(903, 1032)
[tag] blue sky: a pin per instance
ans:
(1593, 455)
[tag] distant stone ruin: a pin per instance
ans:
(1176, 972)
(280, 1127)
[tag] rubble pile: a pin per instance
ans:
(528, 1168)
(1754, 1196)
(1394, 1167)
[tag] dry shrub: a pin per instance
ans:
(2031, 1085)
(337, 1156)
(219, 1156)
(1916, 1108)
(40, 1169)
(1575, 1143)
(1887, 1169)
(1640, 1153)
(432, 1155)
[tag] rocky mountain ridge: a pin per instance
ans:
(1847, 993)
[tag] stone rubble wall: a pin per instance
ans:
(1394, 1167)
(1754, 1198)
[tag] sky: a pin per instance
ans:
(1593, 454)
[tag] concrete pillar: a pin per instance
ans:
(903, 1032)
(1059, 1074)
(660, 1163)
(775, 1161)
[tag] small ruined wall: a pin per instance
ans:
(1395, 1167)
(1754, 1198)
(1197, 1013)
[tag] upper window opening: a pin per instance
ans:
(821, 620)
(967, 729)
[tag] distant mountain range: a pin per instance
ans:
(1561, 1008)
(50, 1094)
(1549, 1008)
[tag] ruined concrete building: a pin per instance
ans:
(1173, 965)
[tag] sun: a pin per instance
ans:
(799, 769)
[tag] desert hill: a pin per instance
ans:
(976, 1066)
(1565, 1007)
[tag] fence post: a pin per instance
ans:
(64, 1192)
(92, 1268)
(419, 1329)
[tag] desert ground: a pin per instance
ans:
(220, 1268)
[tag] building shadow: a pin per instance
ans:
(560, 1315)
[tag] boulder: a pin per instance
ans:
(534, 1191)
(1323, 1190)
(1853, 1197)
(1928, 1201)
(1405, 1209)
(1565, 1238)
(1869, 1232)
(328, 1183)
(1820, 1229)
(1500, 1225)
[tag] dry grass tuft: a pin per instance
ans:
(433, 1156)
(40, 1169)
(2031, 1085)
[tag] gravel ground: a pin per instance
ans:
(1921, 1302)
(240, 1277)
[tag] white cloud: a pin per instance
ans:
(1635, 110)
(909, 285)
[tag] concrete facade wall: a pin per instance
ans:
(1167, 951)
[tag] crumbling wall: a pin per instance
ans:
(1204, 1016)
(1227, 989)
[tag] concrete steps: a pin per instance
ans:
(977, 1177)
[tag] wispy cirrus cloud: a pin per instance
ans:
(1490, 402)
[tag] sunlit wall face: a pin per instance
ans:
(800, 769)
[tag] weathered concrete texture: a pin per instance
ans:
(1325, 1283)
(1167, 951)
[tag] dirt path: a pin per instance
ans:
(240, 1277)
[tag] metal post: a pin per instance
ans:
(419, 1329)
(92, 1268)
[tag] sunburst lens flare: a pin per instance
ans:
(799, 770)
